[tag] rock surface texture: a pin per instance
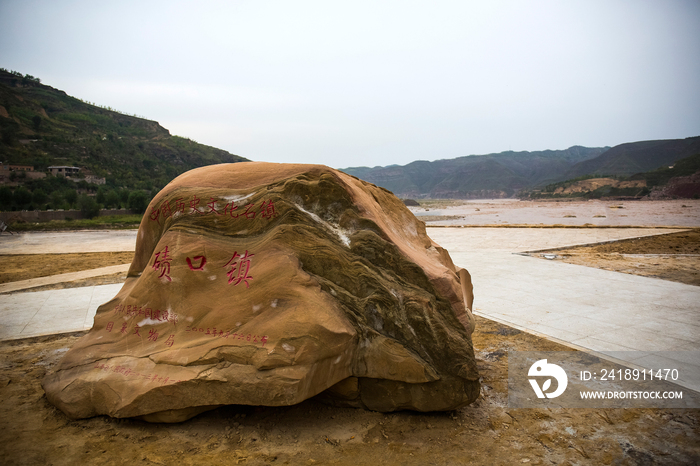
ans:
(267, 284)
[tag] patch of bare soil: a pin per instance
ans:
(595, 183)
(674, 256)
(486, 432)
(26, 266)
(439, 218)
(92, 281)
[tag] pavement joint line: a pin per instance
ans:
(87, 311)
(38, 309)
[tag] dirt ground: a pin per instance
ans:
(25, 266)
(674, 257)
(486, 432)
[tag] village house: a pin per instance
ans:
(64, 170)
(28, 170)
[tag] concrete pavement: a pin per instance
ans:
(37, 313)
(591, 309)
(50, 312)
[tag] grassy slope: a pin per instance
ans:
(659, 177)
(43, 126)
(637, 157)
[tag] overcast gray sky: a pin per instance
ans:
(357, 83)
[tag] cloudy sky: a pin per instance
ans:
(353, 83)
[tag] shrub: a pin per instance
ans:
(22, 198)
(112, 199)
(138, 201)
(5, 198)
(56, 200)
(88, 206)
(39, 197)
(124, 197)
(71, 196)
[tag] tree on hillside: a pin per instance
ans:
(82, 184)
(10, 131)
(112, 199)
(88, 206)
(22, 198)
(71, 196)
(138, 201)
(124, 197)
(56, 199)
(101, 197)
(39, 197)
(5, 198)
(29, 79)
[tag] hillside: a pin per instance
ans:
(476, 176)
(680, 180)
(42, 126)
(597, 183)
(636, 157)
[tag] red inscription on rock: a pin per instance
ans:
(214, 333)
(267, 209)
(202, 261)
(162, 263)
(239, 269)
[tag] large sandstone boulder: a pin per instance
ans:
(267, 284)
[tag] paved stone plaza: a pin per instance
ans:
(591, 309)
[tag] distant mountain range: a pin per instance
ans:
(507, 173)
(476, 176)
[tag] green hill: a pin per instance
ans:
(683, 171)
(41, 126)
(636, 157)
(661, 176)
